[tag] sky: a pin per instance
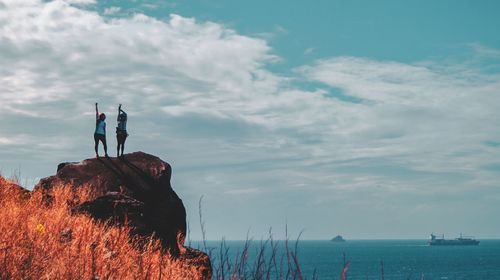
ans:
(369, 119)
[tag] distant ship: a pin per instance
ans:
(457, 241)
(338, 238)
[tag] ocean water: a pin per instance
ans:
(402, 259)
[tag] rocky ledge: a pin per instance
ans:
(133, 189)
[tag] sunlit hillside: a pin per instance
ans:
(40, 239)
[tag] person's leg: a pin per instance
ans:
(117, 145)
(96, 145)
(123, 143)
(105, 146)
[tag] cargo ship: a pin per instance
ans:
(457, 241)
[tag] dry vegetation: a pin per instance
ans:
(41, 240)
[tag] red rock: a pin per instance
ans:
(134, 189)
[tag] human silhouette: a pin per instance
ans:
(100, 131)
(121, 131)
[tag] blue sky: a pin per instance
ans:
(301, 31)
(370, 119)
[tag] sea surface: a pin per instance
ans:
(402, 259)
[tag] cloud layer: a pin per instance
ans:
(363, 136)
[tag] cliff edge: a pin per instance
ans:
(135, 190)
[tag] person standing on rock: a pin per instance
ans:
(100, 131)
(121, 131)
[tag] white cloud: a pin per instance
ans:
(309, 51)
(428, 113)
(484, 50)
(6, 141)
(84, 2)
(112, 10)
(200, 96)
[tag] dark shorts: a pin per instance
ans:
(121, 136)
(100, 137)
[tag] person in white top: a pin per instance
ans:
(121, 131)
(100, 132)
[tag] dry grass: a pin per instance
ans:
(41, 240)
(262, 262)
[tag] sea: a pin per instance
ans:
(372, 259)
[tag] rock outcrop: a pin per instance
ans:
(9, 188)
(134, 189)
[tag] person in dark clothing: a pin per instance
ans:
(100, 132)
(121, 131)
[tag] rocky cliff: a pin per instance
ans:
(134, 190)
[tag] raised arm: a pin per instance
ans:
(119, 110)
(96, 111)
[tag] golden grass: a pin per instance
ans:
(40, 240)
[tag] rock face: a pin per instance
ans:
(12, 189)
(134, 189)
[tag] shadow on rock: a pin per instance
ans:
(133, 189)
